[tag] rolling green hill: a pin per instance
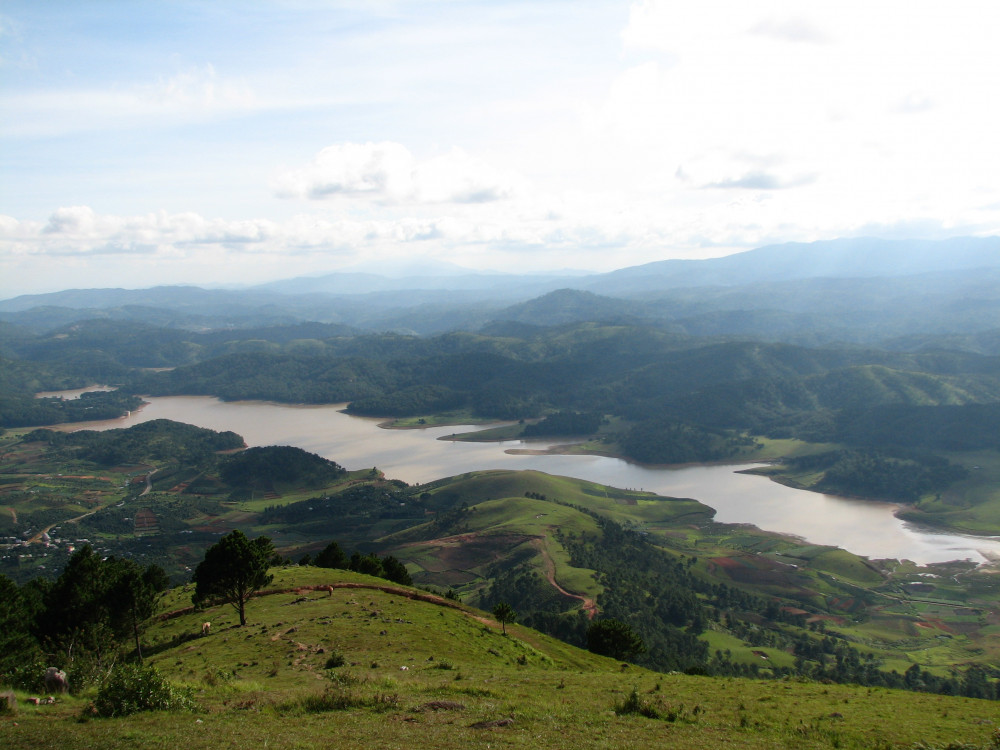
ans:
(419, 671)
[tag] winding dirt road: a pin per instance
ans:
(589, 605)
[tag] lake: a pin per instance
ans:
(418, 456)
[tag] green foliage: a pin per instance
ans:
(504, 614)
(340, 699)
(19, 380)
(565, 423)
(261, 468)
(897, 475)
(353, 511)
(395, 571)
(615, 639)
(233, 570)
(290, 378)
(159, 440)
(412, 401)
(131, 688)
(18, 645)
(651, 591)
(93, 608)
(331, 557)
(334, 660)
(664, 442)
(368, 564)
(632, 704)
(135, 592)
(951, 428)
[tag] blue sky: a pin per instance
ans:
(223, 143)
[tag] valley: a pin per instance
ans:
(500, 533)
(776, 509)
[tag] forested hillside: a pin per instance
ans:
(681, 592)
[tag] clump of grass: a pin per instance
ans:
(443, 665)
(634, 705)
(338, 699)
(345, 679)
(218, 677)
(334, 660)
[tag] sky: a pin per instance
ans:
(229, 143)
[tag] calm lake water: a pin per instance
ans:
(418, 456)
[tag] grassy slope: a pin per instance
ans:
(250, 684)
(903, 625)
(898, 625)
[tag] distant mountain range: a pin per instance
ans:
(847, 289)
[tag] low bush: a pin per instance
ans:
(337, 699)
(633, 704)
(131, 688)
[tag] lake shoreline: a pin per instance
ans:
(417, 456)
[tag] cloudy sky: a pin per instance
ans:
(145, 143)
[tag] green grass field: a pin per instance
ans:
(465, 684)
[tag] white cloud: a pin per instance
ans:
(384, 170)
(387, 172)
(701, 127)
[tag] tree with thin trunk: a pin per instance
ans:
(504, 613)
(134, 593)
(233, 570)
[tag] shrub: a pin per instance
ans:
(633, 704)
(336, 659)
(337, 699)
(131, 688)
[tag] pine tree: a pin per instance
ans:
(233, 570)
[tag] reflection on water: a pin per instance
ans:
(417, 456)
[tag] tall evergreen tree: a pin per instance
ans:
(395, 571)
(17, 646)
(614, 638)
(135, 592)
(332, 556)
(233, 570)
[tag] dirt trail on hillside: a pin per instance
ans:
(589, 605)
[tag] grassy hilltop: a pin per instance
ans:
(317, 668)
(726, 600)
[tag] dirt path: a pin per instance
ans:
(38, 537)
(149, 483)
(589, 605)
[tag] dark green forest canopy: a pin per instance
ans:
(681, 398)
(18, 410)
(154, 441)
(259, 468)
(892, 475)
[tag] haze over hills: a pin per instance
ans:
(841, 258)
(755, 368)
(849, 290)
